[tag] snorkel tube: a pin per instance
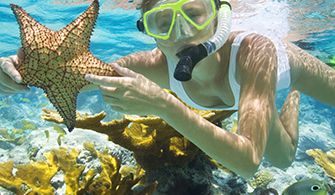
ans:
(189, 57)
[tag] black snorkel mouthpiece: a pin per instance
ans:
(188, 58)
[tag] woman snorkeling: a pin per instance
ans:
(210, 67)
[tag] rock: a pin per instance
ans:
(58, 183)
(332, 125)
(299, 177)
(314, 136)
(6, 145)
(332, 14)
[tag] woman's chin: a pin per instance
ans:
(176, 47)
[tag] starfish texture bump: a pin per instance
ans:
(57, 61)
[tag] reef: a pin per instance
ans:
(149, 137)
(157, 147)
(110, 178)
(324, 159)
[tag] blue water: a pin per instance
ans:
(115, 35)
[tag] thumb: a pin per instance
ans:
(7, 66)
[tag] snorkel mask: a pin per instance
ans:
(159, 22)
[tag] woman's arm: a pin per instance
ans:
(242, 152)
(135, 94)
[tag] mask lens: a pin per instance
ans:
(159, 22)
(200, 12)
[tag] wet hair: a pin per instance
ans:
(147, 5)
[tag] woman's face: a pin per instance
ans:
(183, 33)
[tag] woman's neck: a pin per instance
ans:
(211, 69)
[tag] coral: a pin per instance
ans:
(157, 147)
(152, 140)
(35, 177)
(325, 160)
(261, 179)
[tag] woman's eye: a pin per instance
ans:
(163, 24)
(193, 13)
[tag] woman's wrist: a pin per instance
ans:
(167, 106)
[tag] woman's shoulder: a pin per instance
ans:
(249, 37)
(256, 53)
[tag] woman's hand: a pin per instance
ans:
(132, 93)
(10, 78)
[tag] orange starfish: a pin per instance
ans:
(57, 61)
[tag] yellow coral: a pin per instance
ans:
(151, 139)
(66, 160)
(325, 160)
(35, 177)
(261, 179)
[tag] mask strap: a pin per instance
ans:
(140, 25)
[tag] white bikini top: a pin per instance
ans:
(177, 86)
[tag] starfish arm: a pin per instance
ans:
(30, 29)
(88, 64)
(58, 61)
(76, 35)
(64, 100)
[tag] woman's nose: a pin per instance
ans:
(182, 29)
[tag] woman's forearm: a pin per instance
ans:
(231, 150)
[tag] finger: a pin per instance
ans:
(111, 92)
(111, 100)
(9, 83)
(113, 104)
(107, 80)
(3, 93)
(8, 67)
(109, 89)
(117, 109)
(4, 90)
(20, 55)
(14, 59)
(123, 71)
